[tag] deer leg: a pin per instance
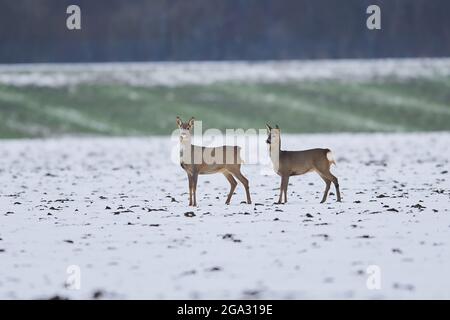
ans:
(335, 181)
(194, 187)
(327, 188)
(336, 184)
(286, 183)
(280, 199)
(238, 175)
(190, 189)
(233, 185)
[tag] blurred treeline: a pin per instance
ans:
(143, 30)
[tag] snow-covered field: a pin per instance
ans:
(116, 209)
(204, 73)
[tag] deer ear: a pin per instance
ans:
(268, 127)
(191, 122)
(277, 127)
(179, 122)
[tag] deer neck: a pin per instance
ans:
(275, 148)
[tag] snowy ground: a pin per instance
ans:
(203, 73)
(116, 209)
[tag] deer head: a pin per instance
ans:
(272, 133)
(185, 129)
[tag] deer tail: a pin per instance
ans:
(330, 157)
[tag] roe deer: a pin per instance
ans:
(197, 160)
(292, 163)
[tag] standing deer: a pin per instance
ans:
(293, 163)
(197, 160)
